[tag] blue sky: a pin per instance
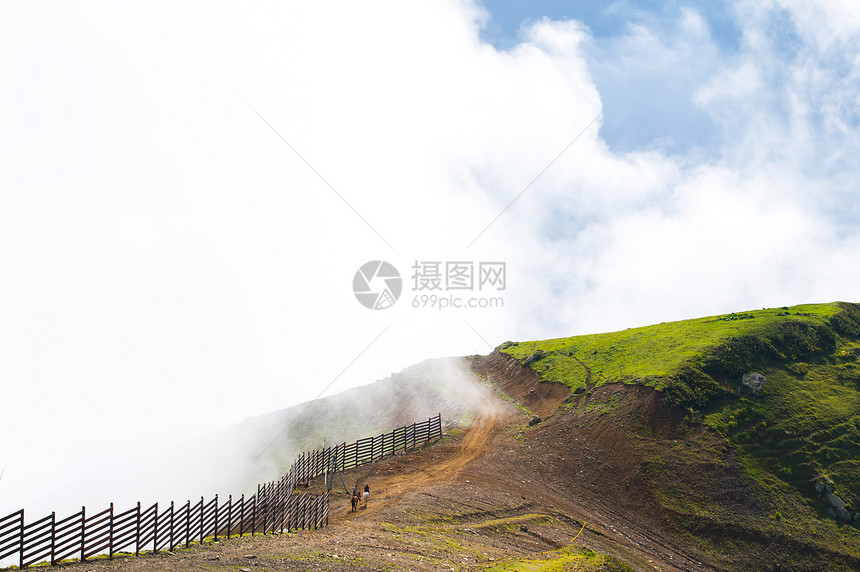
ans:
(604, 19)
(643, 106)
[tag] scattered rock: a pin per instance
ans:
(579, 391)
(534, 420)
(835, 501)
(250, 556)
(536, 355)
(524, 528)
(838, 508)
(753, 381)
(843, 514)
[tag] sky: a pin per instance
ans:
(187, 191)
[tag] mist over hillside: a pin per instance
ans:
(269, 443)
(260, 449)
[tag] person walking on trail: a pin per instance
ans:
(366, 494)
(355, 498)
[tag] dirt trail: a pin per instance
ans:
(473, 445)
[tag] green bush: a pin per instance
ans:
(737, 356)
(797, 339)
(799, 369)
(692, 389)
(847, 321)
(783, 341)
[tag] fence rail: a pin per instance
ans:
(275, 507)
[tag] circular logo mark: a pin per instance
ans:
(377, 285)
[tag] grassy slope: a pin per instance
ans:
(804, 426)
(650, 354)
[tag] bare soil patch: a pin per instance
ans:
(521, 383)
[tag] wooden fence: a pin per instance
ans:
(275, 507)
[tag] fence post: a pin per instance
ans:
(137, 537)
(171, 544)
(202, 510)
(242, 516)
(21, 541)
(110, 540)
(83, 533)
(155, 531)
(229, 515)
(216, 516)
(53, 536)
(264, 507)
(188, 524)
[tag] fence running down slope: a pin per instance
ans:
(274, 508)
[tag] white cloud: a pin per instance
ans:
(737, 83)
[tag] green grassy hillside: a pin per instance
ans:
(799, 434)
(652, 355)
